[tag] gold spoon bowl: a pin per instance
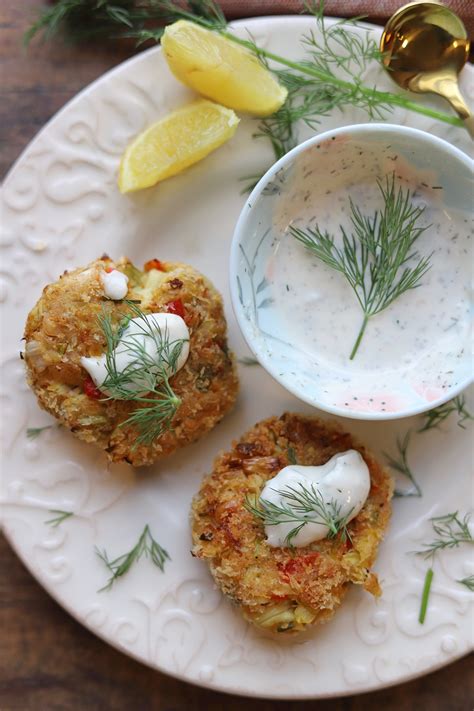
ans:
(425, 46)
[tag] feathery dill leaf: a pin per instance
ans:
(34, 432)
(59, 517)
(433, 418)
(146, 378)
(467, 582)
(301, 506)
(327, 78)
(82, 20)
(451, 531)
(374, 258)
(401, 466)
(146, 546)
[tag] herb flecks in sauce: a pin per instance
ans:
(374, 258)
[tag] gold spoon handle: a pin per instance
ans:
(445, 84)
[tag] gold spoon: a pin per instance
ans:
(425, 46)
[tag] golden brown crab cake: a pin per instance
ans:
(284, 589)
(64, 326)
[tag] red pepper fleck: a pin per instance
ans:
(91, 390)
(296, 566)
(154, 264)
(176, 307)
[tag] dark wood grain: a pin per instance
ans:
(48, 662)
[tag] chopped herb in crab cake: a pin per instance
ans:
(135, 362)
(289, 518)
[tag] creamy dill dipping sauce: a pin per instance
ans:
(423, 331)
(312, 502)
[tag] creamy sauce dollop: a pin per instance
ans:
(165, 327)
(115, 284)
(344, 480)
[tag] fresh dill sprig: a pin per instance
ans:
(374, 258)
(138, 19)
(302, 505)
(328, 76)
(339, 56)
(433, 418)
(146, 378)
(451, 531)
(467, 582)
(59, 517)
(401, 466)
(34, 432)
(291, 454)
(147, 546)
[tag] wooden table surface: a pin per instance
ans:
(49, 662)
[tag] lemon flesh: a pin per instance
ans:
(220, 69)
(179, 140)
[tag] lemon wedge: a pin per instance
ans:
(218, 68)
(174, 143)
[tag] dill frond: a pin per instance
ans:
(374, 257)
(34, 432)
(401, 466)
(467, 582)
(451, 531)
(146, 378)
(301, 506)
(146, 546)
(59, 517)
(435, 417)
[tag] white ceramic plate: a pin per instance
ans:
(61, 208)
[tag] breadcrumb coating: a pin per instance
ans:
(284, 589)
(63, 327)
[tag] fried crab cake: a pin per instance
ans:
(64, 326)
(285, 589)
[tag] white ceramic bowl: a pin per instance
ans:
(405, 384)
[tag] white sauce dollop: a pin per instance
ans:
(169, 327)
(344, 479)
(115, 284)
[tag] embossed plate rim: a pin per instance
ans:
(54, 588)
